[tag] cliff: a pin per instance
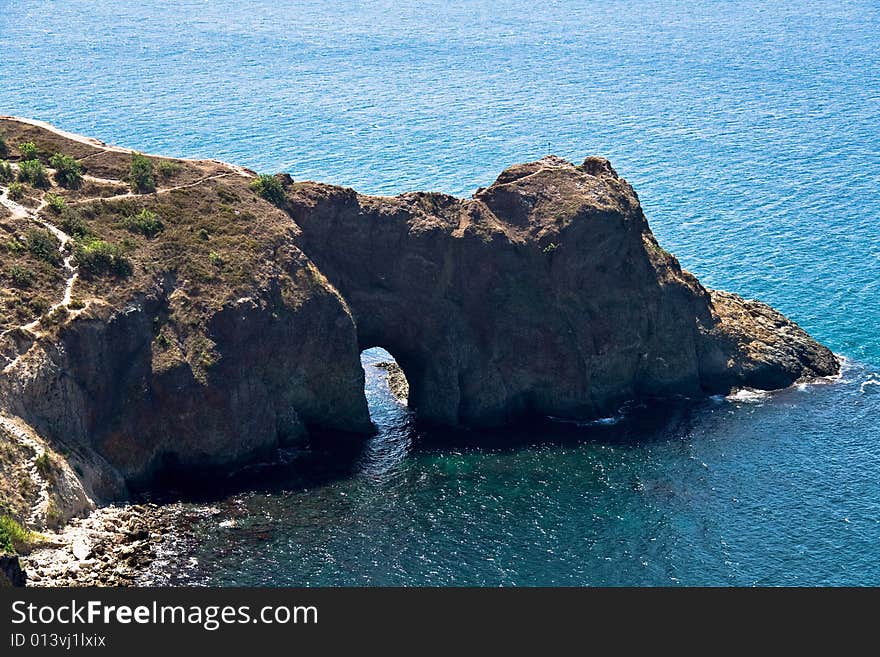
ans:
(192, 323)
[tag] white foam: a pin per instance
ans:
(748, 395)
(602, 421)
(871, 386)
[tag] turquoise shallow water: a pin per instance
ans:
(750, 132)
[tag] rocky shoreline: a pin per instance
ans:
(110, 547)
(166, 315)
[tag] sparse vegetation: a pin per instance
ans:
(28, 150)
(43, 245)
(4, 149)
(55, 203)
(22, 276)
(6, 173)
(13, 537)
(33, 172)
(145, 222)
(140, 176)
(270, 188)
(44, 464)
(39, 305)
(68, 172)
(57, 317)
(167, 168)
(16, 191)
(96, 257)
(54, 517)
(227, 195)
(14, 246)
(73, 224)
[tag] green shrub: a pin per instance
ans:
(16, 191)
(140, 175)
(96, 257)
(73, 224)
(14, 537)
(22, 276)
(215, 259)
(204, 235)
(33, 172)
(144, 222)
(68, 172)
(55, 318)
(28, 150)
(167, 168)
(6, 173)
(55, 203)
(44, 464)
(270, 188)
(40, 305)
(43, 245)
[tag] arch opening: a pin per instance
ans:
(384, 379)
(386, 388)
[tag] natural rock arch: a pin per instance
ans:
(239, 326)
(545, 294)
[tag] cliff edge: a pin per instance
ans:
(170, 314)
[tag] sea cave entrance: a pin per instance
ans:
(387, 390)
(383, 377)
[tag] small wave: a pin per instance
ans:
(600, 422)
(748, 395)
(846, 367)
(604, 421)
(870, 387)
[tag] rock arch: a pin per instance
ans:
(544, 294)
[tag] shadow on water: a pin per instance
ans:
(333, 456)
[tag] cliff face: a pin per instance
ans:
(545, 294)
(233, 325)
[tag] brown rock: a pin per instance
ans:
(545, 294)
(240, 325)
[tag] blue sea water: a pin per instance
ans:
(750, 131)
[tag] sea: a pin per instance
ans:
(748, 128)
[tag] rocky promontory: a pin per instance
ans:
(171, 315)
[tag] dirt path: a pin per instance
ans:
(131, 194)
(21, 212)
(32, 329)
(33, 215)
(23, 435)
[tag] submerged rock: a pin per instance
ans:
(231, 325)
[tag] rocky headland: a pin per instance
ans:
(161, 315)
